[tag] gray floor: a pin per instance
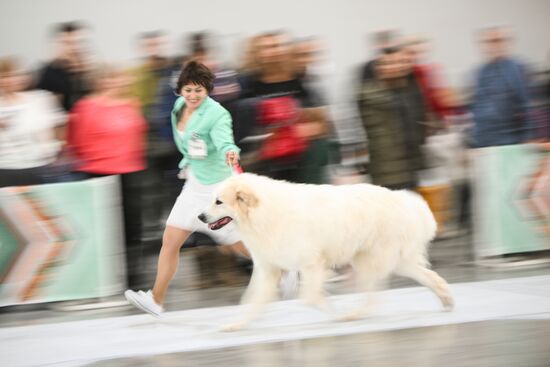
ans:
(489, 343)
(486, 343)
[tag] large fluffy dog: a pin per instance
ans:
(310, 228)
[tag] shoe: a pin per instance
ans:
(144, 301)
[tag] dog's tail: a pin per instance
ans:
(427, 224)
(420, 207)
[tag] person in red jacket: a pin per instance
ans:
(106, 134)
(429, 77)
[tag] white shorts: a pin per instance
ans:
(193, 199)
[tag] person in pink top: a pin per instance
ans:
(106, 135)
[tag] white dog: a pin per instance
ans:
(309, 228)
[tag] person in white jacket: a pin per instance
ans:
(28, 122)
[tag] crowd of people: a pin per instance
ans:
(75, 118)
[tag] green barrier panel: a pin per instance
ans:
(511, 203)
(61, 242)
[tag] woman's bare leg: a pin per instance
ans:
(168, 262)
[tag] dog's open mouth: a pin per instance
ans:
(220, 223)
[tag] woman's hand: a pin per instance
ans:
(232, 158)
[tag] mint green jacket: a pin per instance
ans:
(212, 123)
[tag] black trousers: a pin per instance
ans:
(22, 177)
(132, 208)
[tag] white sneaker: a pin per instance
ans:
(144, 301)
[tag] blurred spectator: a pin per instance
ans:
(442, 146)
(392, 111)
(148, 73)
(501, 101)
(28, 119)
(540, 103)
(244, 109)
(227, 88)
(165, 186)
(382, 40)
(309, 69)
(458, 123)
(275, 74)
(428, 76)
(107, 134)
(312, 69)
(297, 150)
(249, 64)
(226, 85)
(546, 119)
(67, 75)
(146, 80)
(198, 49)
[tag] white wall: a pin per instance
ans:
(24, 26)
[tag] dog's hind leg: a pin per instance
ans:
(430, 279)
(370, 277)
(261, 290)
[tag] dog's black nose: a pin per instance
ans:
(202, 217)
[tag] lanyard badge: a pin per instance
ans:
(197, 147)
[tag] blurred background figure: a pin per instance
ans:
(392, 111)
(198, 48)
(244, 109)
(147, 77)
(382, 40)
(355, 153)
(227, 89)
(500, 104)
(441, 145)
(107, 134)
(310, 69)
(315, 73)
(448, 150)
(226, 86)
(428, 75)
(67, 75)
(296, 149)
(540, 102)
(249, 60)
(28, 123)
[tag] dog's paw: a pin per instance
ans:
(236, 326)
(351, 316)
(448, 303)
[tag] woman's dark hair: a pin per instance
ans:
(196, 73)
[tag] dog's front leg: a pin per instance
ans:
(261, 290)
(311, 289)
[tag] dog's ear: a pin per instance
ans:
(246, 197)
